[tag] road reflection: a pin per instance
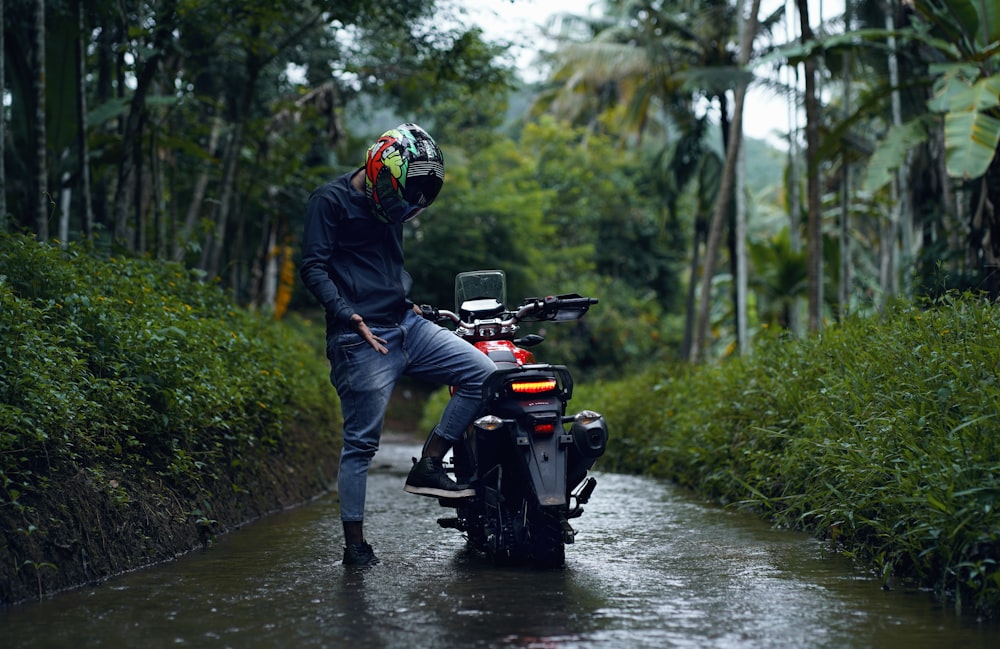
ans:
(651, 568)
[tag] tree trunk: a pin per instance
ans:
(157, 199)
(198, 196)
(847, 191)
(212, 255)
(81, 126)
(691, 303)
(814, 229)
(41, 164)
(269, 282)
(732, 225)
(794, 319)
(129, 189)
(899, 234)
(212, 252)
(103, 92)
(65, 201)
(740, 279)
(3, 129)
(700, 341)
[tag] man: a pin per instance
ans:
(352, 261)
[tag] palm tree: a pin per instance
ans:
(728, 180)
(651, 65)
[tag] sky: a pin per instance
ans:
(522, 22)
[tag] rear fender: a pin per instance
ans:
(545, 456)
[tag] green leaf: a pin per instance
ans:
(970, 140)
(937, 504)
(983, 95)
(990, 21)
(107, 111)
(891, 153)
(955, 80)
(977, 20)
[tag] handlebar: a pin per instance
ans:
(571, 307)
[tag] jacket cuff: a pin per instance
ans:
(342, 317)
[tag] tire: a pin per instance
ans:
(546, 546)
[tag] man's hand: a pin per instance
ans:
(378, 343)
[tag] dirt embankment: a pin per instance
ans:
(92, 523)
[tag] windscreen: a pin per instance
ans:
(479, 284)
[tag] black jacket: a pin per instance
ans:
(351, 261)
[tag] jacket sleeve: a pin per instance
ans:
(318, 245)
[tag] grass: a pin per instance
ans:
(879, 435)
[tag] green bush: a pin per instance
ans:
(139, 363)
(879, 434)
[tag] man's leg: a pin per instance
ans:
(364, 380)
(436, 354)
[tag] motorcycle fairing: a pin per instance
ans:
(505, 353)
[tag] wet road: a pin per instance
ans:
(651, 568)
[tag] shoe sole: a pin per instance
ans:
(440, 493)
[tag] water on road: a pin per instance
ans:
(651, 567)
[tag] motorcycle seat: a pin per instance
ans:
(504, 358)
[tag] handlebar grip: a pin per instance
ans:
(569, 300)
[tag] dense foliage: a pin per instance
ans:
(879, 435)
(560, 211)
(129, 371)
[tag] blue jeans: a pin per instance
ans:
(364, 379)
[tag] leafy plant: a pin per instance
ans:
(877, 435)
(118, 373)
(964, 35)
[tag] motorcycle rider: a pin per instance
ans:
(352, 261)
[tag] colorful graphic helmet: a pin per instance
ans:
(403, 174)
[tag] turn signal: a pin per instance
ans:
(489, 422)
(533, 387)
(585, 417)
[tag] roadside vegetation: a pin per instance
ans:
(141, 412)
(879, 435)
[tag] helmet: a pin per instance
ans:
(403, 173)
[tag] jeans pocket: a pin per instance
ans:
(343, 351)
(343, 345)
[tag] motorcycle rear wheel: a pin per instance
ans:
(545, 545)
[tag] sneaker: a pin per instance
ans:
(427, 478)
(359, 554)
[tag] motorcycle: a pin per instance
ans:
(527, 460)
